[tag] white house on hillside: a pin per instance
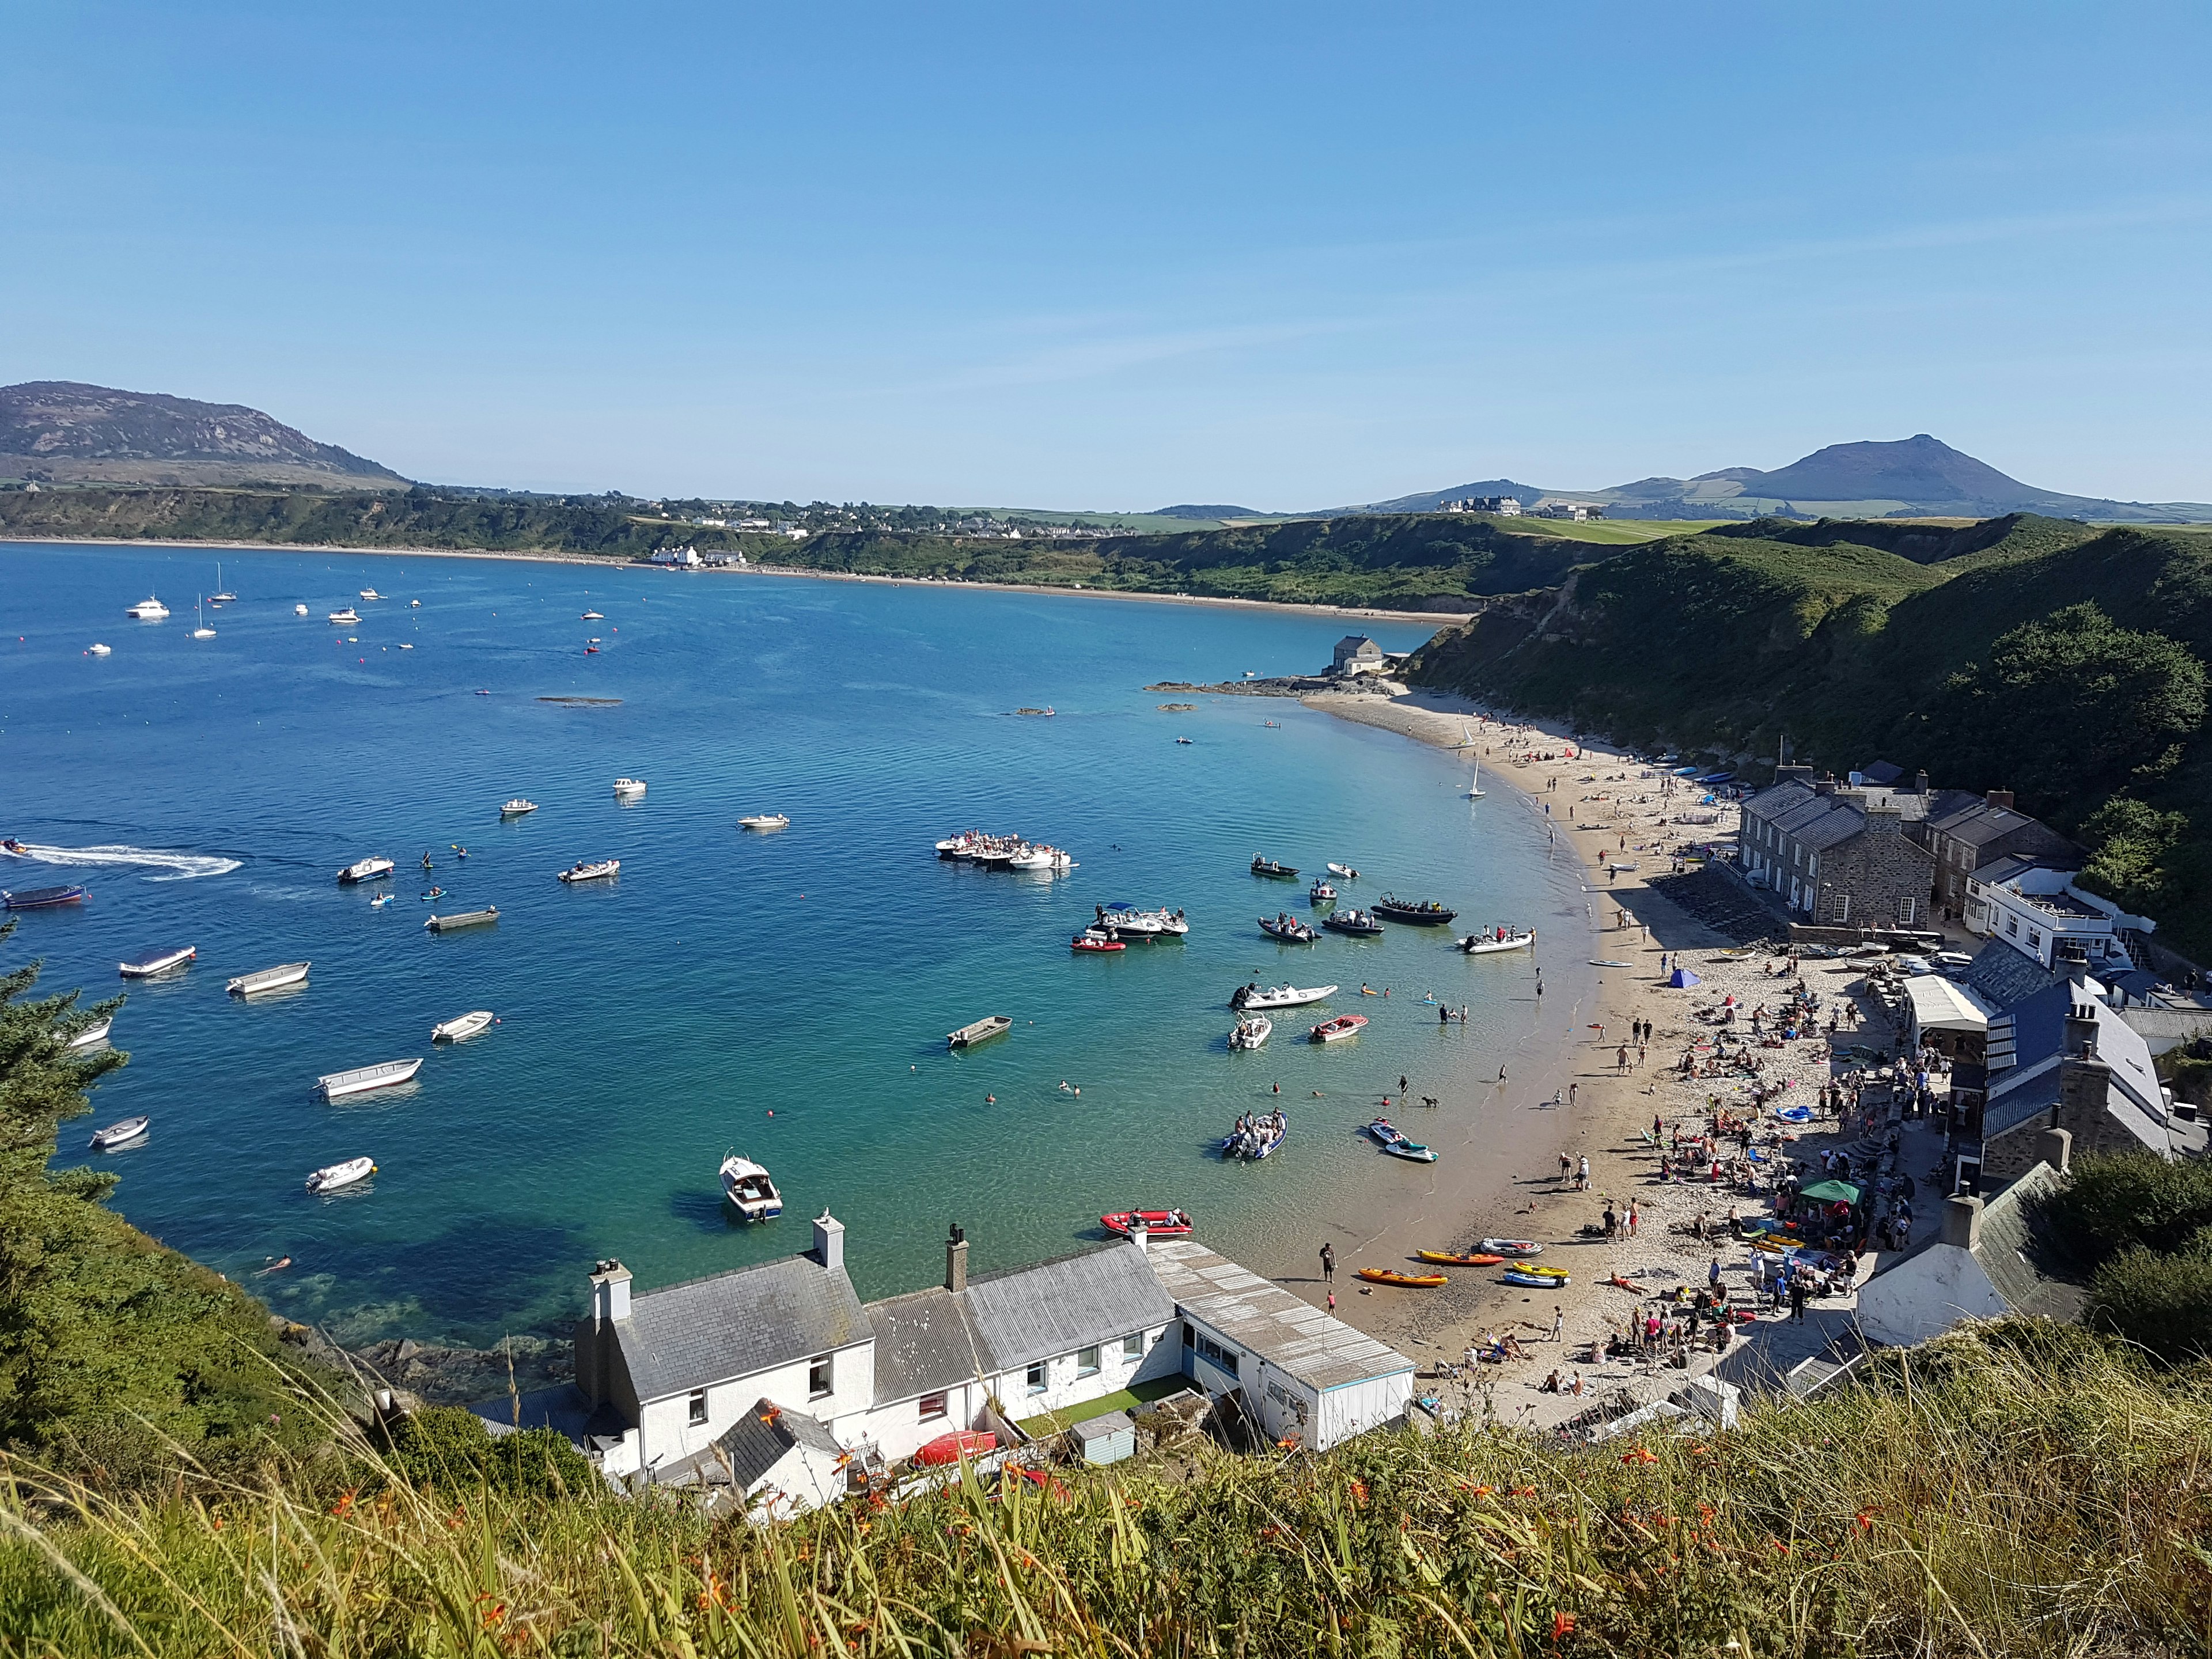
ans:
(2041, 913)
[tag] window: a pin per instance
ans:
(1796, 857)
(1132, 1345)
(1843, 907)
(2035, 938)
(817, 1378)
(1086, 1362)
(1214, 1354)
(698, 1407)
(1904, 911)
(932, 1408)
(1035, 1379)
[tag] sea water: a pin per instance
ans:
(784, 995)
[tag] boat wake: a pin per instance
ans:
(173, 866)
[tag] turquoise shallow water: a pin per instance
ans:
(785, 994)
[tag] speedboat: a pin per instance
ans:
(365, 869)
(1498, 938)
(581, 871)
(386, 1074)
(1406, 1281)
(92, 1035)
(1251, 1031)
(1126, 921)
(345, 618)
(1253, 1141)
(750, 1190)
(370, 594)
(1427, 914)
(1334, 1031)
(119, 1134)
(1272, 868)
(1359, 923)
(148, 609)
(1041, 857)
(1513, 1247)
(1093, 939)
(299, 609)
(979, 1030)
(1321, 893)
(269, 978)
(594, 615)
(150, 962)
(627, 787)
(1287, 930)
(1163, 1223)
(765, 821)
(1344, 872)
(41, 899)
(517, 808)
(331, 1176)
(1247, 997)
(460, 1030)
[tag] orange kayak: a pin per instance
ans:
(1410, 1281)
(1459, 1260)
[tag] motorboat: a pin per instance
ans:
(583, 871)
(594, 615)
(1460, 1259)
(1321, 893)
(9, 845)
(1532, 1281)
(953, 847)
(1251, 1031)
(370, 594)
(628, 787)
(1498, 938)
(345, 618)
(461, 1029)
(1273, 869)
(517, 808)
(1161, 1224)
(1405, 1281)
(1361, 924)
(1427, 914)
(1343, 871)
(485, 918)
(92, 1035)
(1248, 997)
(331, 1176)
(1094, 938)
(1041, 857)
(1511, 1247)
(269, 978)
(41, 899)
(1184, 742)
(1335, 1030)
(386, 1074)
(1126, 921)
(414, 605)
(119, 1134)
(750, 1190)
(765, 821)
(1288, 930)
(365, 869)
(981, 1031)
(1253, 1140)
(149, 608)
(150, 962)
(97, 649)
(201, 632)
(299, 609)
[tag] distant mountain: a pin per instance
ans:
(65, 432)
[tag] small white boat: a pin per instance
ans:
(370, 594)
(202, 632)
(1041, 857)
(581, 871)
(1280, 996)
(765, 821)
(1475, 788)
(1335, 1030)
(157, 962)
(594, 615)
(627, 787)
(517, 808)
(99, 650)
(1344, 872)
(365, 869)
(749, 1189)
(149, 608)
(1498, 938)
(119, 1134)
(331, 1176)
(346, 618)
(299, 609)
(1251, 1031)
(379, 901)
(269, 978)
(335, 1085)
(92, 1035)
(459, 1031)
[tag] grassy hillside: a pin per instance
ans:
(1925, 646)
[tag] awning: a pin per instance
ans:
(1942, 1004)
(1832, 1192)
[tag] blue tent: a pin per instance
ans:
(1682, 979)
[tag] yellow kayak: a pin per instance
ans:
(1410, 1281)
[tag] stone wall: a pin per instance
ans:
(1879, 868)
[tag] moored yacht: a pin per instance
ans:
(97, 649)
(517, 808)
(346, 618)
(765, 821)
(202, 632)
(149, 608)
(750, 1190)
(627, 787)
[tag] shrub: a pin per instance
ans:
(2124, 1199)
(2163, 1302)
(446, 1446)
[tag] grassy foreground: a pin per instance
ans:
(2017, 1491)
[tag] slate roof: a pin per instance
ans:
(924, 1345)
(1319, 1350)
(2005, 976)
(1819, 822)
(1056, 1307)
(1880, 772)
(2007, 1249)
(1977, 823)
(2028, 1088)
(735, 1324)
(753, 1444)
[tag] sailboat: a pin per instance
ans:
(226, 596)
(1475, 788)
(202, 632)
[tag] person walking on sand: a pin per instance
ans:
(1573, 1088)
(1558, 1323)
(1328, 1268)
(1582, 1175)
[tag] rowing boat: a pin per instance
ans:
(269, 978)
(979, 1031)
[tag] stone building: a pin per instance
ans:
(2060, 1059)
(1357, 655)
(1972, 836)
(1840, 854)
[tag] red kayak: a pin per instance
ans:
(951, 1448)
(1167, 1224)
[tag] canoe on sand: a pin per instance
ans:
(1410, 1281)
(1447, 1256)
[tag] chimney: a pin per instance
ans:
(1793, 775)
(2085, 1082)
(1999, 798)
(1962, 1220)
(1886, 820)
(1140, 1234)
(1920, 781)
(2056, 1147)
(2081, 1031)
(1825, 786)
(956, 1261)
(830, 1243)
(609, 1294)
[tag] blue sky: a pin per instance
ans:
(1284, 255)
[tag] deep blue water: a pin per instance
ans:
(784, 995)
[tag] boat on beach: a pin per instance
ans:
(1095, 939)
(1529, 1280)
(1247, 997)
(119, 1134)
(1288, 930)
(269, 978)
(150, 962)
(463, 1028)
(41, 899)
(1251, 1031)
(483, 918)
(1497, 940)
(386, 1074)
(365, 869)
(584, 870)
(331, 1176)
(1513, 1247)
(1253, 1139)
(1427, 914)
(765, 821)
(1273, 869)
(981, 1031)
(749, 1189)
(1360, 924)
(1404, 1281)
(1335, 1030)
(1164, 1224)
(92, 1035)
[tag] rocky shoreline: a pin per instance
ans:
(1289, 685)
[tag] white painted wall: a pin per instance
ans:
(1358, 1407)
(802, 1480)
(666, 1433)
(1926, 1295)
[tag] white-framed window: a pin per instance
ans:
(1210, 1351)
(1843, 907)
(818, 1377)
(1086, 1362)
(2035, 938)
(695, 1407)
(2012, 926)
(932, 1406)
(1035, 1381)
(1904, 911)
(1132, 1345)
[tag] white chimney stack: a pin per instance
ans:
(609, 1292)
(829, 1242)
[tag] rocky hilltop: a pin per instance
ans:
(66, 432)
